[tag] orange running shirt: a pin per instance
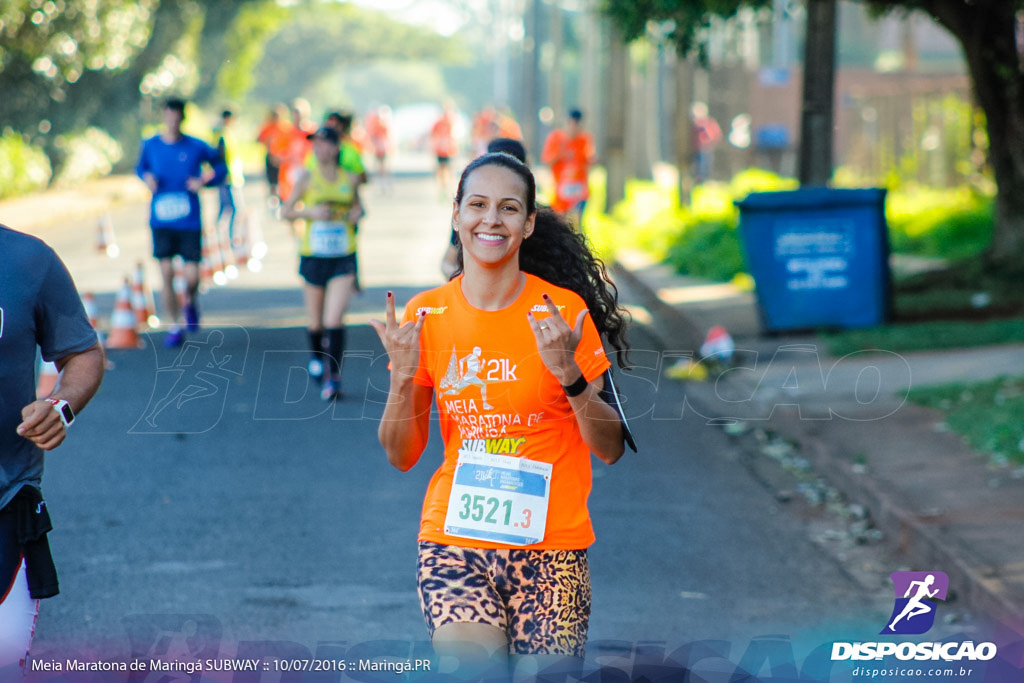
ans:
(569, 159)
(294, 157)
(442, 138)
(277, 137)
(466, 352)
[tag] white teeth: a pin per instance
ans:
(488, 237)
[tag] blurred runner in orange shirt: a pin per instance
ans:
(444, 146)
(378, 129)
(297, 148)
(570, 153)
(483, 130)
(507, 126)
(274, 136)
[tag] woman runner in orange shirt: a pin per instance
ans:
(511, 347)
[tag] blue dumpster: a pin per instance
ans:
(819, 257)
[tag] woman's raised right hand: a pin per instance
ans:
(401, 341)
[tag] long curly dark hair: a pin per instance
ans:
(558, 254)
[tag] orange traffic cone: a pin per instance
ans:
(240, 248)
(206, 269)
(122, 322)
(227, 255)
(91, 312)
(106, 241)
(211, 252)
(142, 299)
(256, 248)
(47, 382)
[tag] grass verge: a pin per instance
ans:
(989, 415)
(927, 336)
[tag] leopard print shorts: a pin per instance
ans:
(539, 598)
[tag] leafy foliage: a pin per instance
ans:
(68, 66)
(680, 21)
(951, 224)
(61, 40)
(245, 42)
(321, 39)
(985, 30)
(23, 168)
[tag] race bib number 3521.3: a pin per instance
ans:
(499, 498)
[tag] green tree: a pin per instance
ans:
(66, 66)
(681, 20)
(681, 23)
(323, 37)
(985, 30)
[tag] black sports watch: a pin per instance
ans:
(63, 408)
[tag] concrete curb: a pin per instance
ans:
(975, 581)
(979, 584)
(674, 331)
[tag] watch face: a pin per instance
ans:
(67, 413)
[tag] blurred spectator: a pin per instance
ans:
(707, 134)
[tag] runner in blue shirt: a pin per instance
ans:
(175, 167)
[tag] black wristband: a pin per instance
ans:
(577, 387)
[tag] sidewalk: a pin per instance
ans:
(936, 501)
(88, 200)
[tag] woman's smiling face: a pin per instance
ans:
(492, 217)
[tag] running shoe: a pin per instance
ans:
(174, 338)
(192, 317)
(331, 389)
(316, 369)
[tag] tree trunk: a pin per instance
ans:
(555, 86)
(591, 90)
(986, 32)
(683, 134)
(615, 129)
(817, 118)
(638, 120)
(531, 78)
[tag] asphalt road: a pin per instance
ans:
(208, 498)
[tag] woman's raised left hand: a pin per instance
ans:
(557, 342)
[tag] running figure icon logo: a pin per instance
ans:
(914, 609)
